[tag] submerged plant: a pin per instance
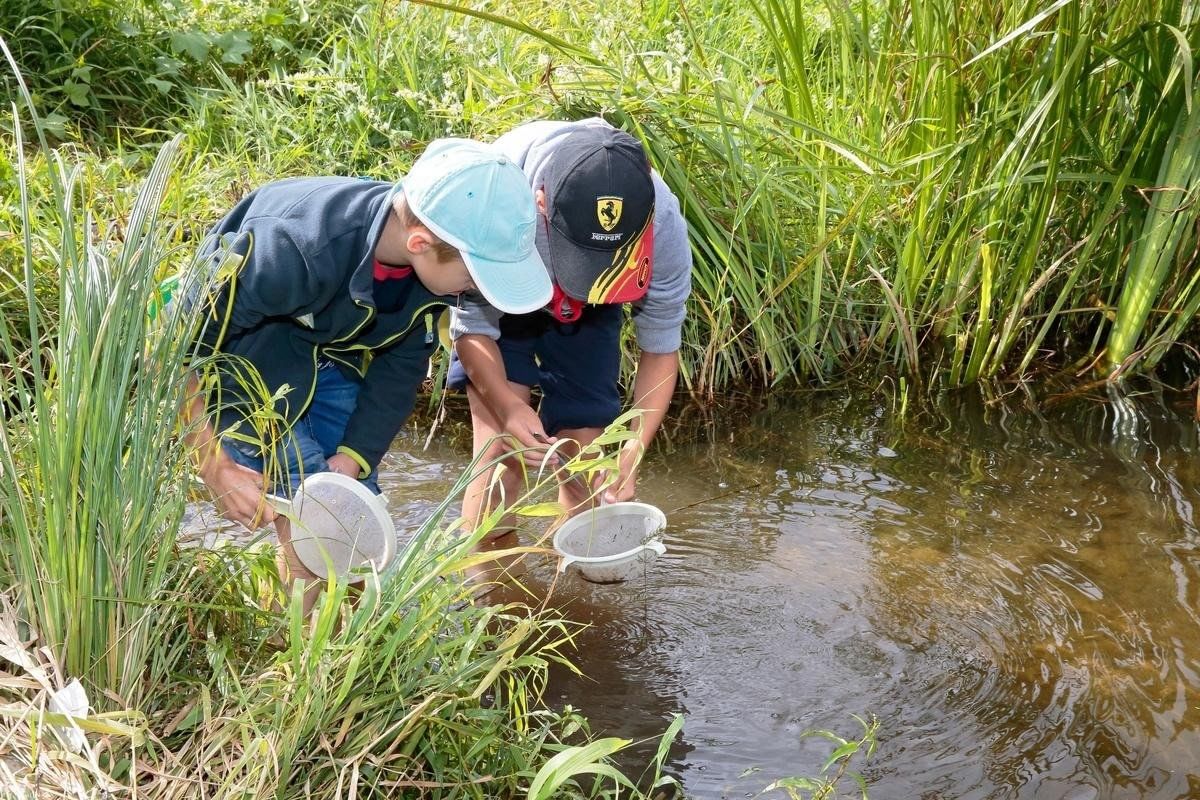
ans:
(836, 767)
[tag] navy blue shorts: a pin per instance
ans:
(576, 365)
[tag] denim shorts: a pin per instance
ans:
(576, 365)
(313, 439)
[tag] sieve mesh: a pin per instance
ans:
(599, 537)
(612, 542)
(336, 522)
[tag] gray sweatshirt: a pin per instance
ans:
(658, 316)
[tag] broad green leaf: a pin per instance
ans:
(79, 94)
(570, 762)
(234, 46)
(163, 87)
(194, 44)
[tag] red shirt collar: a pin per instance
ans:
(385, 273)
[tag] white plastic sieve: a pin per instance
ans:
(338, 522)
(611, 543)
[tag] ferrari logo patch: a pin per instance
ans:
(608, 211)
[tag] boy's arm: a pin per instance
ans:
(237, 490)
(653, 389)
(386, 398)
(658, 319)
(480, 357)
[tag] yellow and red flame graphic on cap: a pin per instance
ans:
(629, 276)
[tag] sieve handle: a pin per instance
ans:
(282, 505)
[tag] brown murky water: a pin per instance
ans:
(1015, 596)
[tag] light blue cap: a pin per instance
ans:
(474, 198)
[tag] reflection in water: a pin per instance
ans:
(1016, 596)
(1040, 581)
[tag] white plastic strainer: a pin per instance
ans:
(612, 542)
(338, 522)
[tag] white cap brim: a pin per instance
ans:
(513, 287)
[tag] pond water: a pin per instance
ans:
(1015, 596)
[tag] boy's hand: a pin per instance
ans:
(522, 423)
(238, 492)
(625, 486)
(340, 462)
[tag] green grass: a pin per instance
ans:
(195, 682)
(952, 193)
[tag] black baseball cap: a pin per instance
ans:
(600, 200)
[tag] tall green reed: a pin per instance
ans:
(1165, 249)
(90, 505)
(949, 191)
(1014, 141)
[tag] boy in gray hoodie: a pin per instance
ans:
(610, 232)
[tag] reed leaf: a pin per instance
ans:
(91, 502)
(1169, 223)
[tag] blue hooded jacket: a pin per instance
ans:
(297, 258)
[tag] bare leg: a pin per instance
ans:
(481, 496)
(291, 569)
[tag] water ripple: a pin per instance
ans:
(1015, 595)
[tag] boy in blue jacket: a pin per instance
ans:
(325, 299)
